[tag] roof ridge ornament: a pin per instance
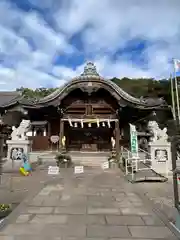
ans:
(90, 70)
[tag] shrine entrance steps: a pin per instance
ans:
(92, 159)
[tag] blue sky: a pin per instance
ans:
(44, 43)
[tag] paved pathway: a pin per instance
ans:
(162, 196)
(15, 187)
(95, 205)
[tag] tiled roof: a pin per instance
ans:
(90, 74)
(9, 97)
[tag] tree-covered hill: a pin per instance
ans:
(136, 87)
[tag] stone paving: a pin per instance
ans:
(162, 196)
(95, 205)
(15, 187)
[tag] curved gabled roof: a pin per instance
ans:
(90, 75)
(75, 81)
(89, 79)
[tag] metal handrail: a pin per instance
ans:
(126, 150)
(123, 149)
(142, 150)
(134, 164)
(133, 161)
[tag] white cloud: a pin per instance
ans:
(120, 20)
(30, 64)
(44, 37)
(24, 76)
(118, 68)
(112, 24)
(105, 26)
(65, 74)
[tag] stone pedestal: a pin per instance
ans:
(16, 148)
(113, 152)
(160, 152)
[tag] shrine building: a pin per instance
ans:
(88, 110)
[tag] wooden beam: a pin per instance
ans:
(93, 116)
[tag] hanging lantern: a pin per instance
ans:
(75, 125)
(103, 124)
(89, 124)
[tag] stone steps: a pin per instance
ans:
(45, 156)
(89, 158)
(83, 158)
(78, 158)
(89, 161)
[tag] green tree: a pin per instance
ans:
(37, 93)
(146, 87)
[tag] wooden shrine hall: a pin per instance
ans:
(89, 111)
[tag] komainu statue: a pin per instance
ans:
(157, 133)
(19, 133)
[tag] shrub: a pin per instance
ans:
(63, 160)
(5, 207)
(111, 159)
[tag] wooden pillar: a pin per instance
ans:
(61, 133)
(49, 134)
(117, 133)
(49, 129)
(32, 131)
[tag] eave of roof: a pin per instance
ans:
(6, 97)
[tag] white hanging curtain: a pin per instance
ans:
(70, 122)
(97, 122)
(108, 122)
(82, 124)
(44, 133)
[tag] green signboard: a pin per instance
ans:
(134, 140)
